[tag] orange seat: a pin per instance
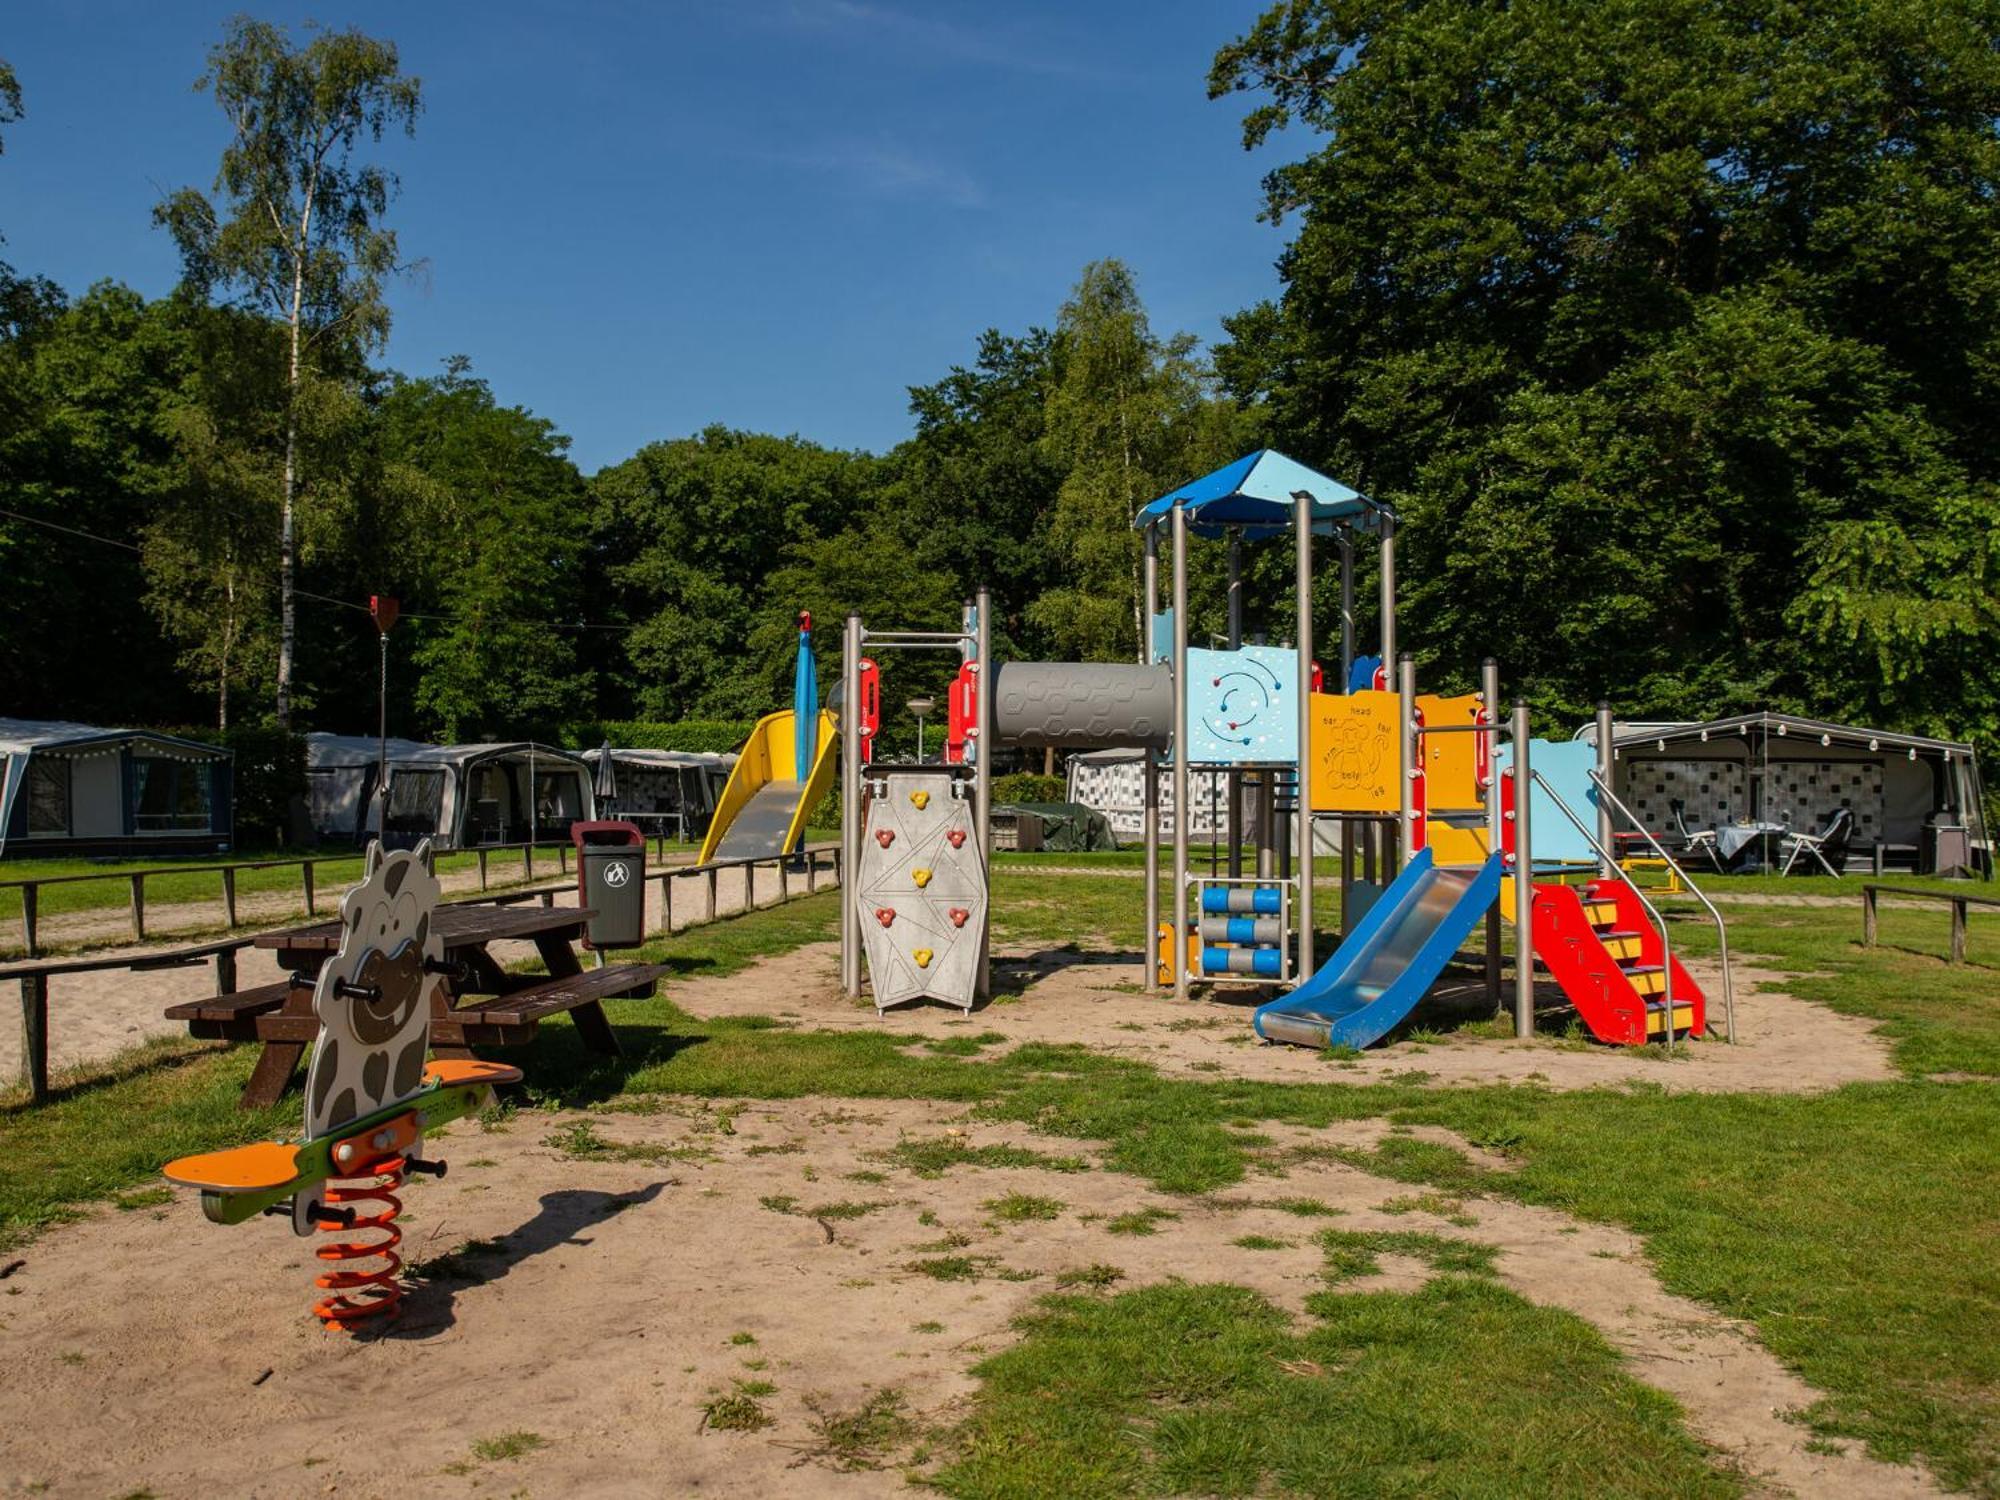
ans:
(446, 1071)
(242, 1169)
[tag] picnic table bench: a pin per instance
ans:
(485, 1006)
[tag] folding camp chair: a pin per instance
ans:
(1828, 846)
(1698, 843)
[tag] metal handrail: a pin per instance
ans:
(1721, 933)
(1611, 862)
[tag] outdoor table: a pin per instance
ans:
(281, 1015)
(1732, 839)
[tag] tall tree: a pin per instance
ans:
(1122, 423)
(1671, 328)
(297, 226)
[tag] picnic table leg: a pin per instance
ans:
(591, 1022)
(279, 1060)
(441, 1011)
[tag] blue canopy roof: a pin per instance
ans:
(1257, 493)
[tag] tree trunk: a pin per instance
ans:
(286, 529)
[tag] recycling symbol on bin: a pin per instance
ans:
(617, 873)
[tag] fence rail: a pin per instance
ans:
(34, 976)
(1959, 903)
(31, 887)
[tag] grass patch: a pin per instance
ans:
(735, 1412)
(1462, 1389)
(936, 1155)
(1144, 1221)
(507, 1445)
(579, 1141)
(860, 1437)
(1020, 1208)
(948, 1267)
(1260, 1242)
(1096, 1276)
(1352, 1253)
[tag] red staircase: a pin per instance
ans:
(1600, 944)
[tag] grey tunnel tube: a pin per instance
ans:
(1083, 705)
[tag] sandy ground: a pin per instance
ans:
(612, 1301)
(1787, 1045)
(92, 1016)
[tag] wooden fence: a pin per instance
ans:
(1958, 905)
(808, 865)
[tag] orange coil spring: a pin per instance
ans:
(362, 1293)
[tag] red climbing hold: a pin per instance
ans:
(885, 914)
(958, 916)
(885, 836)
(956, 838)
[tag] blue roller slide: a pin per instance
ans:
(1389, 961)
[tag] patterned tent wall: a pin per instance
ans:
(1116, 787)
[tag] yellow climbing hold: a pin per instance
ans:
(920, 800)
(921, 877)
(923, 958)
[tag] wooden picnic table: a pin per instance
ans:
(485, 1006)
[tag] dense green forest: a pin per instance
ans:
(1669, 330)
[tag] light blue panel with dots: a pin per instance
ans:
(1243, 706)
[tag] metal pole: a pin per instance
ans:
(1408, 749)
(1302, 820)
(850, 807)
(1180, 755)
(1489, 693)
(1388, 590)
(1524, 879)
(382, 741)
(1346, 610)
(1151, 762)
(1235, 827)
(982, 775)
(1605, 832)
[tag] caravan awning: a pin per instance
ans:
(21, 739)
(1258, 494)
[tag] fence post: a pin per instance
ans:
(1868, 916)
(1957, 931)
(528, 861)
(562, 858)
(138, 879)
(225, 971)
(482, 869)
(784, 882)
(229, 895)
(667, 901)
(35, 1035)
(306, 880)
(30, 915)
(711, 893)
(750, 885)
(812, 871)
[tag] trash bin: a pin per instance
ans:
(611, 879)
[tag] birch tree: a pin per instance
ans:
(294, 225)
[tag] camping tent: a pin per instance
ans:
(80, 789)
(1919, 799)
(458, 796)
(669, 791)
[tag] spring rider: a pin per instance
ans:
(370, 1096)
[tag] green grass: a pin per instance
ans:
(1022, 1208)
(1461, 1389)
(507, 1445)
(1853, 1231)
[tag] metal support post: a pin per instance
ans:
(1302, 820)
(1489, 694)
(1605, 832)
(850, 809)
(1388, 602)
(1180, 744)
(1346, 609)
(1408, 749)
(1524, 878)
(982, 774)
(1150, 946)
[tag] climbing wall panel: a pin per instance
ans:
(922, 887)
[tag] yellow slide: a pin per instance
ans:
(764, 809)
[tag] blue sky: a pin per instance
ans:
(641, 218)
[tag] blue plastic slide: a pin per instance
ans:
(1389, 961)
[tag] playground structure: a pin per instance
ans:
(784, 769)
(370, 1097)
(1436, 833)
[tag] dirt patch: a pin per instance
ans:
(605, 1307)
(1093, 999)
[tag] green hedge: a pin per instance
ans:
(1030, 786)
(269, 771)
(713, 736)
